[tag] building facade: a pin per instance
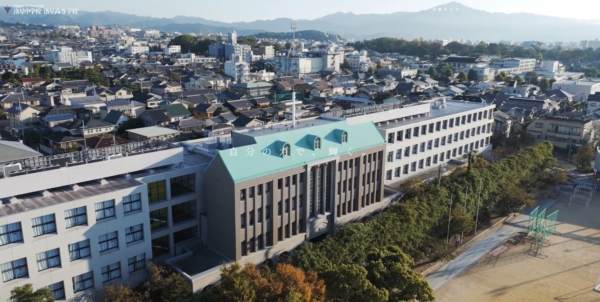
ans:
(67, 55)
(564, 130)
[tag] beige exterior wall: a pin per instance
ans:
(570, 131)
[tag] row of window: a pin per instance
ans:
(256, 243)
(421, 164)
(12, 233)
(160, 245)
(436, 143)
(179, 213)
(437, 126)
(347, 207)
(18, 269)
(267, 186)
(180, 185)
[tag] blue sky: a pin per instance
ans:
(250, 10)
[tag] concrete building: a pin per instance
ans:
(502, 124)
(134, 49)
(80, 224)
(580, 89)
(224, 50)
(424, 136)
(585, 44)
(514, 65)
(564, 130)
(172, 49)
(268, 52)
(237, 69)
(308, 63)
(358, 61)
(67, 55)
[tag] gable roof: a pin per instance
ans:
(113, 116)
(360, 137)
(157, 115)
(177, 110)
(10, 151)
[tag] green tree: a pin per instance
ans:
(7, 76)
(500, 77)
(120, 293)
(448, 72)
(473, 76)
(544, 84)
(165, 285)
(508, 79)
(535, 81)
(372, 69)
(132, 123)
(186, 42)
(518, 79)
(348, 282)
(201, 46)
(583, 158)
(25, 293)
(462, 76)
(419, 71)
(432, 72)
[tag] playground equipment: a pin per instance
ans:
(540, 228)
(582, 195)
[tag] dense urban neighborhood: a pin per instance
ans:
(139, 164)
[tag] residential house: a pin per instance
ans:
(128, 107)
(153, 133)
(170, 87)
(61, 66)
(150, 99)
(245, 122)
(350, 89)
(155, 117)
(32, 82)
(252, 89)
(177, 112)
(320, 91)
(563, 130)
(116, 118)
(104, 141)
(86, 127)
(188, 125)
(22, 117)
(260, 102)
(502, 124)
(239, 105)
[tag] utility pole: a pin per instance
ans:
(439, 182)
(449, 219)
(478, 203)
(466, 197)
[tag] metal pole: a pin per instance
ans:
(478, 202)
(449, 219)
(466, 196)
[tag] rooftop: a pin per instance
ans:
(10, 151)
(153, 131)
(451, 108)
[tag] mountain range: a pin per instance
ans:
(451, 20)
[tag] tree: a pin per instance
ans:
(372, 69)
(518, 79)
(248, 284)
(348, 282)
(201, 46)
(120, 293)
(535, 81)
(132, 123)
(218, 112)
(583, 158)
(544, 84)
(25, 293)
(7, 75)
(185, 41)
(448, 72)
(165, 285)
(462, 76)
(473, 76)
(508, 79)
(499, 77)
(174, 77)
(419, 71)
(432, 72)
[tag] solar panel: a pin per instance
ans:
(59, 117)
(117, 102)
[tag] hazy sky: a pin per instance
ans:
(250, 10)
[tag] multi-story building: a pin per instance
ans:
(580, 89)
(358, 61)
(172, 49)
(424, 136)
(224, 50)
(79, 222)
(237, 69)
(135, 49)
(308, 63)
(267, 51)
(67, 55)
(563, 130)
(514, 65)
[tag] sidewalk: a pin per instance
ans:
(482, 248)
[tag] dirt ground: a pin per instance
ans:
(565, 271)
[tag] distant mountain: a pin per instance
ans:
(451, 20)
(302, 34)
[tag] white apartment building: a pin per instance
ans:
(67, 55)
(173, 49)
(580, 89)
(514, 65)
(424, 136)
(237, 69)
(151, 33)
(308, 63)
(78, 224)
(358, 61)
(134, 49)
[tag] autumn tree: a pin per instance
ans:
(165, 285)
(25, 293)
(284, 284)
(120, 293)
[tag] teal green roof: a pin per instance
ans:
(177, 110)
(243, 167)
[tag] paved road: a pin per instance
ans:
(481, 248)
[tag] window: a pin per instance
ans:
(390, 157)
(244, 248)
(344, 139)
(259, 190)
(477, 145)
(136, 263)
(455, 137)
(251, 245)
(462, 135)
(414, 149)
(450, 139)
(435, 159)
(75, 217)
(468, 118)
(279, 183)
(407, 134)
(421, 164)
(243, 220)
(183, 184)
(279, 208)
(14, 269)
(286, 150)
(251, 192)
(436, 143)
(158, 219)
(132, 202)
(259, 215)
(428, 161)
(407, 151)
(43, 225)
(251, 218)
(134, 233)
(105, 209)
(83, 282)
(183, 211)
(157, 191)
(399, 154)
(463, 119)
(454, 152)
(413, 166)
(48, 259)
(268, 188)
(317, 143)
(448, 155)
(111, 272)
(294, 179)
(538, 125)
(422, 147)
(10, 233)
(445, 125)
(416, 132)
(160, 246)
(397, 172)
(451, 121)
(58, 290)
(388, 174)
(108, 241)
(457, 121)
(185, 234)
(437, 126)
(467, 133)
(405, 169)
(480, 114)
(431, 128)
(287, 182)
(79, 250)
(478, 130)
(460, 150)
(400, 135)
(423, 129)
(485, 114)
(294, 203)
(443, 141)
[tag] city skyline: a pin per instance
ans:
(245, 11)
